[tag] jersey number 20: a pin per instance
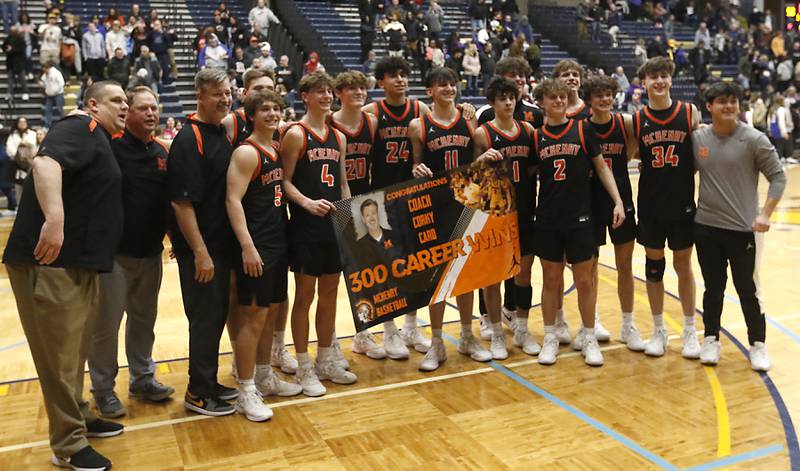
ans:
(355, 169)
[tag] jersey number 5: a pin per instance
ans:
(561, 170)
(326, 176)
(660, 158)
(396, 151)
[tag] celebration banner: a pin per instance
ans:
(426, 240)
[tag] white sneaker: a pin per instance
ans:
(759, 358)
(271, 384)
(562, 330)
(395, 347)
(630, 336)
(691, 347)
(469, 345)
(365, 344)
(486, 327)
(252, 406)
(435, 356)
(526, 341)
(600, 332)
(338, 355)
(591, 352)
(709, 354)
(579, 340)
(307, 378)
(509, 317)
(413, 338)
(498, 347)
(657, 346)
(549, 352)
(791, 160)
(329, 369)
(283, 359)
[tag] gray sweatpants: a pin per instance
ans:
(133, 288)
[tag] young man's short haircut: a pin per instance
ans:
(254, 101)
(565, 66)
(499, 87)
(209, 76)
(600, 84)
(132, 93)
(350, 79)
(315, 81)
(441, 75)
(391, 65)
(550, 87)
(254, 74)
(513, 65)
(98, 90)
(723, 89)
(368, 202)
(656, 66)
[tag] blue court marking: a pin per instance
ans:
(783, 411)
(627, 442)
(784, 329)
(13, 346)
(736, 459)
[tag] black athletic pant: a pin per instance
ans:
(508, 297)
(206, 307)
(715, 249)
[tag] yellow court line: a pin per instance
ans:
(720, 404)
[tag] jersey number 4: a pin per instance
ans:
(660, 157)
(356, 169)
(326, 176)
(396, 151)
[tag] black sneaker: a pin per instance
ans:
(151, 391)
(100, 428)
(225, 393)
(212, 406)
(85, 460)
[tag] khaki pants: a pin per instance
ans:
(58, 308)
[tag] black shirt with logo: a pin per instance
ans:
(91, 193)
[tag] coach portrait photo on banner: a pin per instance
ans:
(376, 242)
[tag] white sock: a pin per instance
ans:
(323, 353)
(658, 321)
(410, 322)
(303, 358)
(560, 315)
(389, 327)
(278, 339)
(688, 321)
(497, 329)
(466, 330)
(549, 329)
(627, 318)
(437, 333)
(247, 385)
(589, 332)
(262, 370)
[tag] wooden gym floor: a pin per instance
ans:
(633, 413)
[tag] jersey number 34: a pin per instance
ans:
(662, 157)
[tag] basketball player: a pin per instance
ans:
(729, 226)
(567, 151)
(616, 142)
(359, 128)
(314, 177)
(512, 138)
(238, 128)
(435, 151)
(666, 199)
(258, 217)
(518, 71)
(571, 73)
(392, 164)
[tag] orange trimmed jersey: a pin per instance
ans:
(666, 184)
(564, 154)
(243, 127)
(446, 147)
(613, 144)
(584, 112)
(358, 156)
(264, 205)
(392, 160)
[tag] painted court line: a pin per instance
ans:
(307, 400)
(739, 458)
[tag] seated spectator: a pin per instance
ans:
(656, 48)
(146, 71)
(215, 55)
(267, 61)
(286, 76)
(169, 131)
(313, 64)
(636, 103)
(238, 63)
(252, 51)
(113, 15)
(119, 68)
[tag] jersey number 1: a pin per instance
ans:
(326, 177)
(660, 158)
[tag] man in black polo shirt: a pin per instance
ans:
(61, 239)
(202, 238)
(134, 284)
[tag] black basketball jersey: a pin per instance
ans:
(446, 147)
(317, 177)
(264, 206)
(358, 159)
(584, 112)
(524, 111)
(613, 143)
(666, 184)
(243, 127)
(516, 150)
(392, 160)
(564, 156)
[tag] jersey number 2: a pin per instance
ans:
(327, 177)
(660, 158)
(561, 170)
